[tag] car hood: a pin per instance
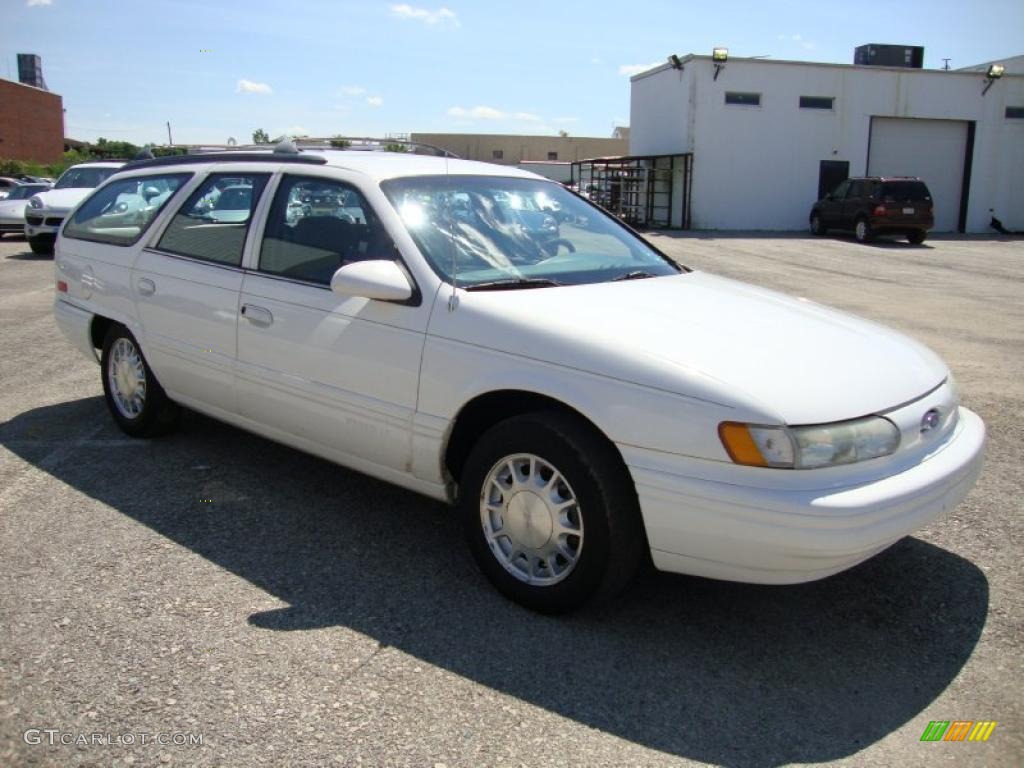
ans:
(708, 337)
(63, 199)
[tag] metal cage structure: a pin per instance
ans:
(651, 191)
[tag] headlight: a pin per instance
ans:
(35, 202)
(821, 445)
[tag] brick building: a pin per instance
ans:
(31, 123)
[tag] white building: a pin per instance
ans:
(767, 136)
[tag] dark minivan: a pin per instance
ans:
(892, 205)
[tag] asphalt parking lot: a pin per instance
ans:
(285, 611)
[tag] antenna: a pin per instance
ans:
(453, 300)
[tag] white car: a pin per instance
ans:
(47, 210)
(12, 208)
(584, 401)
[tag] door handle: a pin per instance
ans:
(258, 316)
(146, 286)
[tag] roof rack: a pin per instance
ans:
(226, 156)
(350, 144)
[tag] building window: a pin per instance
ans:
(1015, 113)
(743, 99)
(552, 155)
(497, 154)
(817, 102)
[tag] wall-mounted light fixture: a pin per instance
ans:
(995, 71)
(675, 62)
(719, 56)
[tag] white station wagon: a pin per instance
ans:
(481, 335)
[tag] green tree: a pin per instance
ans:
(259, 136)
(340, 142)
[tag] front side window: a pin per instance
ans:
(84, 177)
(497, 232)
(317, 225)
(121, 211)
(213, 222)
(840, 192)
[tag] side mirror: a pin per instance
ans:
(150, 192)
(380, 279)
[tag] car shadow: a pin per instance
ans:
(722, 673)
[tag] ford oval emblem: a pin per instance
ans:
(930, 420)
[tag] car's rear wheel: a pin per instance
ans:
(41, 245)
(135, 398)
(817, 228)
(550, 512)
(916, 237)
(862, 231)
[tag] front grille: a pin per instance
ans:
(34, 220)
(54, 221)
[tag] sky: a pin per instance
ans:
(217, 69)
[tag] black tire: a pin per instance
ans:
(916, 237)
(862, 231)
(158, 413)
(613, 541)
(817, 228)
(41, 245)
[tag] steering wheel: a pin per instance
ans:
(551, 247)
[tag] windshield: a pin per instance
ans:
(83, 178)
(26, 191)
(234, 199)
(518, 230)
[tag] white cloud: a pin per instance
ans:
(636, 69)
(595, 60)
(566, 120)
(31, 3)
(353, 90)
(374, 101)
(441, 16)
(248, 86)
(478, 113)
(528, 117)
(295, 130)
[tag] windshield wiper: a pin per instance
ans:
(514, 282)
(636, 275)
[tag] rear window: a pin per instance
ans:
(120, 212)
(903, 190)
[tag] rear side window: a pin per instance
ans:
(122, 211)
(213, 222)
(904, 190)
(317, 225)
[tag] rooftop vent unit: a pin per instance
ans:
(876, 55)
(30, 70)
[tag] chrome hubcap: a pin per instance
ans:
(862, 230)
(127, 377)
(531, 519)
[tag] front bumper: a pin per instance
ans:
(43, 224)
(772, 536)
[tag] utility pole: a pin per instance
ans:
(946, 65)
(169, 141)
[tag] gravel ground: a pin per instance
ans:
(215, 586)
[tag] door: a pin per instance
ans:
(339, 372)
(933, 150)
(830, 174)
(187, 286)
(831, 208)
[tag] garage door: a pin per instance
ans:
(930, 149)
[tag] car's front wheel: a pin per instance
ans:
(550, 512)
(817, 228)
(41, 245)
(863, 232)
(135, 398)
